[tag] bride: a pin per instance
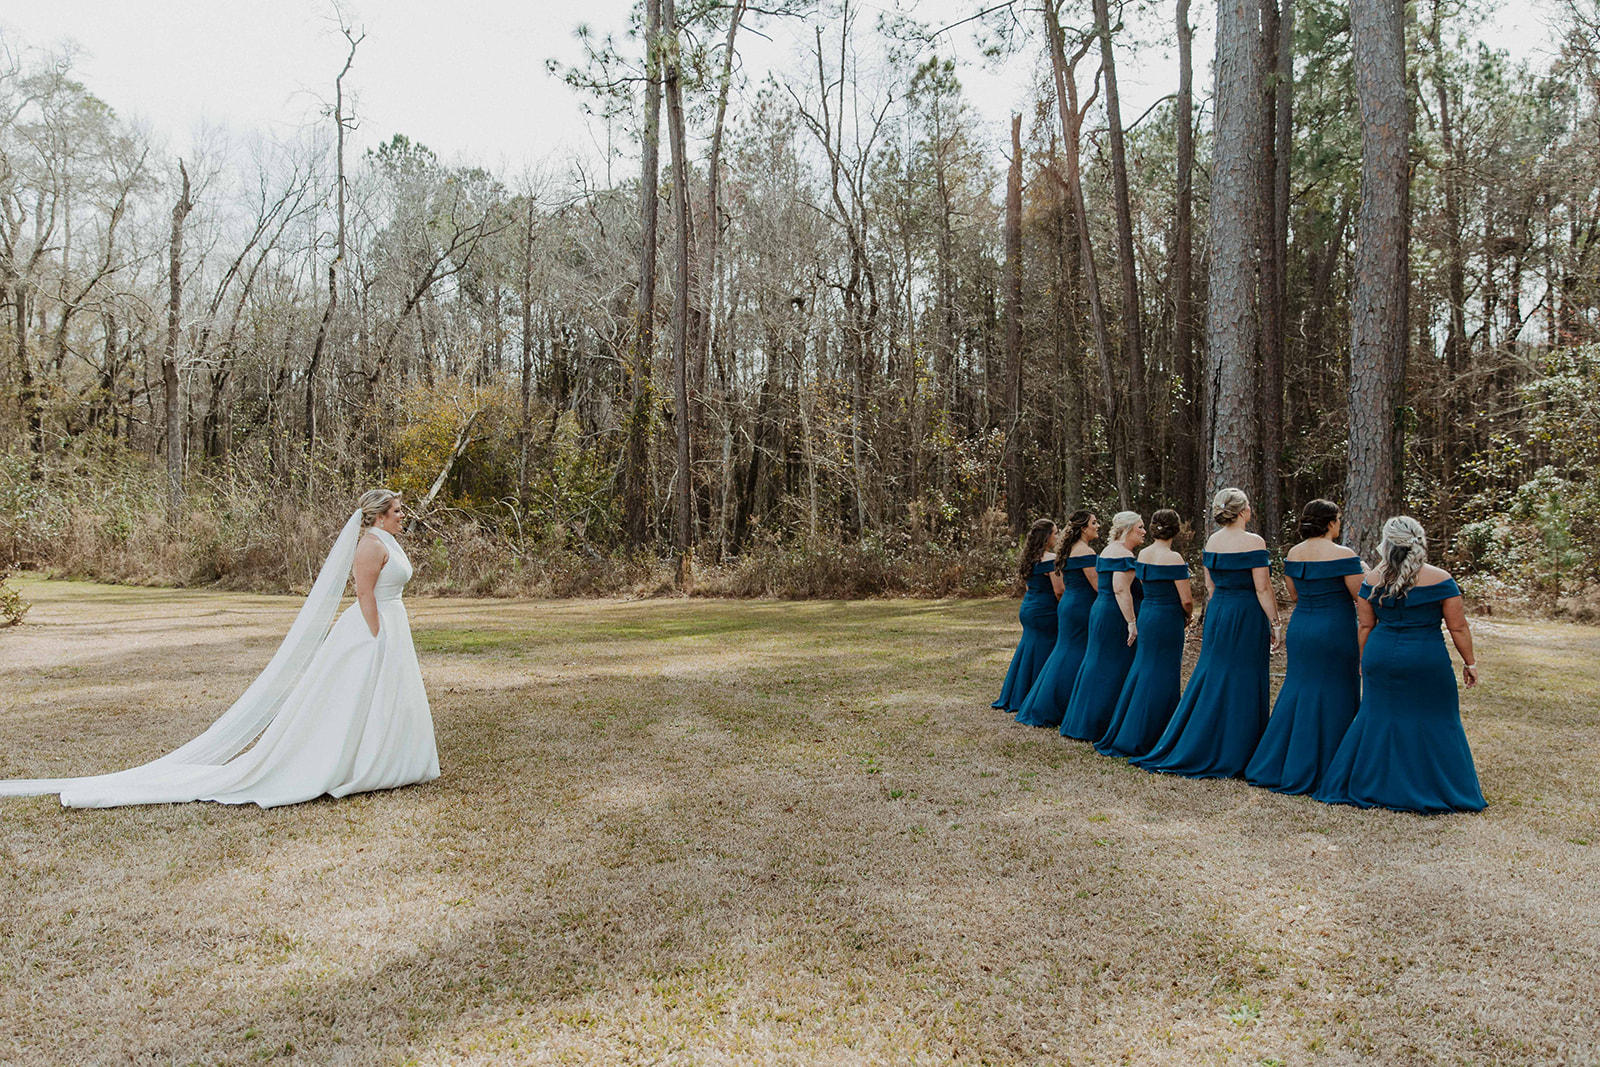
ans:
(336, 712)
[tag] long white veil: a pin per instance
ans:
(242, 723)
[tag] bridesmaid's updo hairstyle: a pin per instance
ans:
(1038, 536)
(1165, 524)
(374, 504)
(1228, 505)
(1316, 518)
(1077, 522)
(1401, 554)
(1122, 522)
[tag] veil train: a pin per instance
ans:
(201, 765)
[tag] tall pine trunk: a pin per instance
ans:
(1378, 305)
(1013, 314)
(1277, 61)
(636, 465)
(1233, 327)
(671, 74)
(1071, 124)
(1127, 260)
(1191, 423)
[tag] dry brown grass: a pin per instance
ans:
(754, 832)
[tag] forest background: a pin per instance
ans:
(817, 334)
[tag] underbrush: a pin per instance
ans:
(107, 522)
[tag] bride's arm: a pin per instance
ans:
(370, 557)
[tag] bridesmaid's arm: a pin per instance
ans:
(1057, 583)
(1186, 597)
(370, 558)
(1294, 594)
(1353, 582)
(1366, 619)
(1268, 600)
(1122, 585)
(1455, 620)
(1094, 578)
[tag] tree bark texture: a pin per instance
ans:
(1233, 327)
(1378, 304)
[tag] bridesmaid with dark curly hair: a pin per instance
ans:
(1047, 700)
(1037, 613)
(1322, 685)
(1218, 722)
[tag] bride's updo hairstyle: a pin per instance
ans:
(1401, 554)
(1122, 522)
(1165, 525)
(1317, 517)
(1228, 505)
(374, 503)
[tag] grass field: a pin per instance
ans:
(688, 831)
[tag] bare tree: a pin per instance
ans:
(341, 125)
(169, 354)
(1071, 132)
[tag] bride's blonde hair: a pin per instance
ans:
(374, 503)
(1401, 554)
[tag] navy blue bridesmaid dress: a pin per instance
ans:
(1047, 700)
(1106, 659)
(1406, 749)
(1322, 687)
(1155, 680)
(1218, 723)
(1038, 618)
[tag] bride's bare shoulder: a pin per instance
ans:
(371, 549)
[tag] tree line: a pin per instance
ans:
(832, 303)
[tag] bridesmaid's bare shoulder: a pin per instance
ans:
(1431, 575)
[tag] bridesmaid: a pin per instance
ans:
(1037, 614)
(1112, 628)
(1322, 687)
(1047, 700)
(1219, 721)
(1155, 680)
(1406, 749)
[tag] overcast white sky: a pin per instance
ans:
(467, 78)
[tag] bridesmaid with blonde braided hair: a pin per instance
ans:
(1406, 749)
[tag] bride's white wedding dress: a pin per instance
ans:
(337, 711)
